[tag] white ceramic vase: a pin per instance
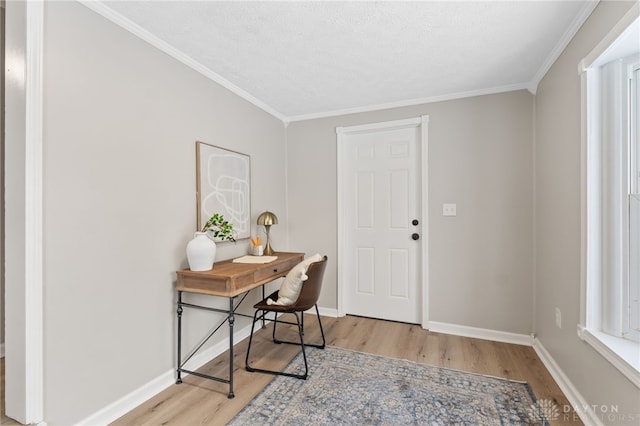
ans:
(201, 252)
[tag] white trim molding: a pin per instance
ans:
(424, 170)
(135, 29)
(481, 333)
(132, 400)
(340, 164)
(605, 44)
(412, 102)
(325, 312)
(597, 230)
(113, 16)
(568, 35)
(623, 354)
(24, 337)
(34, 333)
(153, 387)
(578, 403)
(156, 385)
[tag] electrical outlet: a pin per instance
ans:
(558, 318)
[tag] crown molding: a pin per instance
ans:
(412, 102)
(100, 8)
(135, 29)
(564, 41)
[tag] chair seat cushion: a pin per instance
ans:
(264, 304)
(292, 284)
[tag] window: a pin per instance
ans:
(631, 329)
(610, 306)
(617, 192)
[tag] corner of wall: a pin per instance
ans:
(534, 230)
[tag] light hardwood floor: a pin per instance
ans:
(204, 402)
(198, 401)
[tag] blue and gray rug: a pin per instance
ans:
(353, 388)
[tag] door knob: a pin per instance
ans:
(415, 222)
(415, 236)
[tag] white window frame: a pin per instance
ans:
(623, 353)
(631, 296)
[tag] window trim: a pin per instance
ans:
(633, 199)
(621, 353)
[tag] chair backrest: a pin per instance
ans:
(310, 291)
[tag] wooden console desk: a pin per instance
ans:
(229, 280)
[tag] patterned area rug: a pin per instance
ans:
(352, 388)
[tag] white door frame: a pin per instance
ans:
(342, 132)
(24, 212)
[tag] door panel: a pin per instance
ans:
(382, 197)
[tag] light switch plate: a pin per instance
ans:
(449, 209)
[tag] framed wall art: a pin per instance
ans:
(224, 187)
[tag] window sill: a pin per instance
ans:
(622, 353)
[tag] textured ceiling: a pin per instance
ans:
(309, 59)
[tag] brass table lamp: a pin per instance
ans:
(267, 219)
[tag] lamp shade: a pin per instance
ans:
(267, 218)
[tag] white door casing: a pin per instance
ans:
(382, 182)
(24, 308)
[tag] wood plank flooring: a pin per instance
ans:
(4, 420)
(204, 402)
(199, 401)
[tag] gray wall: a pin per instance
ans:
(557, 217)
(2, 14)
(121, 121)
(480, 157)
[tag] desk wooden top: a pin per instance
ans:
(228, 279)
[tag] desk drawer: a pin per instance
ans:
(276, 269)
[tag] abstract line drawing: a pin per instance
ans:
(224, 186)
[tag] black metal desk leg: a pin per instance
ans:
(231, 321)
(179, 312)
(264, 323)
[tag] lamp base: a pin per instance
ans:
(268, 250)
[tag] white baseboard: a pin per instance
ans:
(326, 312)
(575, 398)
(132, 400)
(128, 402)
(577, 401)
(480, 333)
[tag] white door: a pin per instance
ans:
(381, 220)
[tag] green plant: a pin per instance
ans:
(220, 228)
